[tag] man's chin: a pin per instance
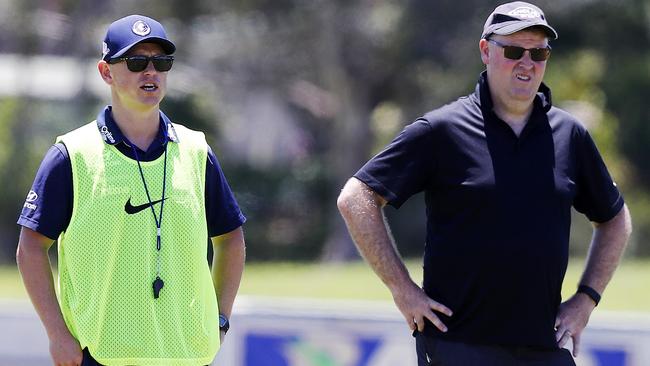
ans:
(523, 95)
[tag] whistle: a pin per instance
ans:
(157, 286)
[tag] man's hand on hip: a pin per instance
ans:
(571, 320)
(65, 350)
(415, 305)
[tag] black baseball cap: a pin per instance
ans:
(126, 32)
(515, 16)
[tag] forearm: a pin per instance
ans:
(362, 210)
(607, 246)
(34, 265)
(228, 267)
(605, 251)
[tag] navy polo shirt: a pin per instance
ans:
(498, 211)
(48, 207)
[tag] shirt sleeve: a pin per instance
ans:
(222, 211)
(404, 167)
(48, 206)
(597, 195)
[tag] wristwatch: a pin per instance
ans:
(589, 291)
(224, 324)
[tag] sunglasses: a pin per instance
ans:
(515, 52)
(139, 63)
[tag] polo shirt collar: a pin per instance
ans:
(112, 135)
(543, 98)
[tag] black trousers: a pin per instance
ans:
(88, 360)
(436, 352)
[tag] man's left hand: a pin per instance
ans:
(571, 320)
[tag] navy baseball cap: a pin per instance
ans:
(125, 33)
(515, 16)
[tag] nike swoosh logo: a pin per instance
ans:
(130, 209)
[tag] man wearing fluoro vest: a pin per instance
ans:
(132, 198)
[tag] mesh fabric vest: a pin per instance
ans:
(108, 257)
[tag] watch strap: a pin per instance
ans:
(224, 323)
(589, 291)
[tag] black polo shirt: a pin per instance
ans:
(498, 211)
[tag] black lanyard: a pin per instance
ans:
(158, 282)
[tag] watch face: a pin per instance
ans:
(224, 325)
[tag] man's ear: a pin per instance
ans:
(105, 72)
(485, 51)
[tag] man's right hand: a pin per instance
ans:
(36, 272)
(362, 210)
(65, 350)
(415, 305)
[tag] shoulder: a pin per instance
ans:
(462, 109)
(80, 132)
(83, 139)
(56, 158)
(213, 161)
(561, 121)
(458, 117)
(183, 131)
(187, 138)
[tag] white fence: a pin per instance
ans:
(297, 332)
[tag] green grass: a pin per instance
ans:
(328, 281)
(10, 283)
(629, 290)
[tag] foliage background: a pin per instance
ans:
(295, 95)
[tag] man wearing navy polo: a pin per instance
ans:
(501, 169)
(132, 199)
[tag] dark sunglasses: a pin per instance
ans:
(515, 52)
(139, 63)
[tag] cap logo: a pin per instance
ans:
(524, 12)
(141, 28)
(105, 49)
